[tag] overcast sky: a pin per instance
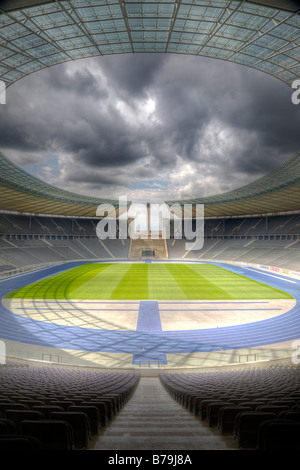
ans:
(149, 127)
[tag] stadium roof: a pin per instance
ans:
(279, 191)
(263, 34)
(22, 192)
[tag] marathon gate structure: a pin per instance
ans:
(152, 221)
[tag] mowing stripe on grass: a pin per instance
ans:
(141, 281)
(133, 285)
(197, 284)
(59, 286)
(236, 286)
(162, 285)
(103, 284)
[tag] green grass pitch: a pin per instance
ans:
(143, 281)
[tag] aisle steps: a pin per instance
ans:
(153, 420)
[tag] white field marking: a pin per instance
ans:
(175, 315)
(271, 275)
(96, 314)
(203, 315)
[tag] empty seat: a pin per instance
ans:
(80, 425)
(238, 400)
(105, 410)
(286, 402)
(200, 404)
(31, 403)
(273, 408)
(47, 409)
(279, 435)
(3, 428)
(53, 434)
(226, 417)
(64, 404)
(76, 401)
(7, 426)
(212, 412)
(246, 427)
(46, 400)
(192, 400)
(93, 414)
(290, 414)
(111, 406)
(20, 415)
(13, 406)
(203, 407)
(113, 399)
(252, 404)
(18, 442)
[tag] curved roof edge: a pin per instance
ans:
(279, 191)
(259, 34)
(287, 5)
(23, 192)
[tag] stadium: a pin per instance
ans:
(118, 336)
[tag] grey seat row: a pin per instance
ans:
(238, 402)
(57, 409)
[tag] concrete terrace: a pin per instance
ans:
(152, 420)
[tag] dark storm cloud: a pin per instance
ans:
(64, 113)
(199, 126)
(80, 83)
(263, 113)
(132, 74)
(80, 173)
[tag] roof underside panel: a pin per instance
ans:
(22, 192)
(276, 192)
(262, 34)
(248, 33)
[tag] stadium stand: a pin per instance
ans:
(244, 403)
(61, 409)
(246, 408)
(271, 240)
(241, 409)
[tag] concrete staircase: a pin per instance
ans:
(153, 420)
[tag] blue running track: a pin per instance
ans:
(148, 342)
(149, 322)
